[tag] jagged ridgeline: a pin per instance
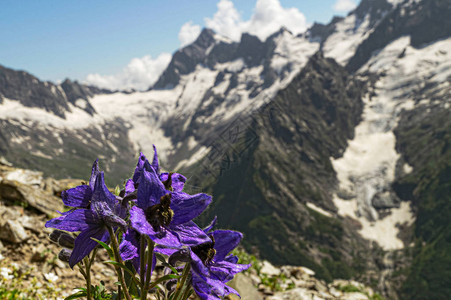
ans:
(69, 145)
(265, 180)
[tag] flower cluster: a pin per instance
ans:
(150, 218)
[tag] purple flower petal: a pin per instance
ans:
(130, 248)
(101, 194)
(187, 207)
(150, 189)
(225, 241)
(198, 266)
(84, 244)
(109, 217)
(165, 250)
(129, 187)
(225, 271)
(178, 181)
(211, 225)
(139, 167)
(164, 237)
(232, 258)
(155, 164)
(94, 172)
(79, 196)
(209, 288)
(190, 234)
(76, 220)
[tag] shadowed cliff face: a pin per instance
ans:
(274, 180)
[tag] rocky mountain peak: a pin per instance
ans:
(375, 9)
(320, 32)
(78, 95)
(185, 60)
(424, 21)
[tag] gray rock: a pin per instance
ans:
(12, 231)
(244, 286)
(269, 269)
(297, 293)
(16, 192)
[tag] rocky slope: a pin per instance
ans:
(275, 181)
(381, 192)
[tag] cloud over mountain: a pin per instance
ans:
(268, 17)
(139, 74)
(344, 5)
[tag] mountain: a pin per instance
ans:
(329, 149)
(55, 128)
(277, 176)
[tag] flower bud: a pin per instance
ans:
(63, 239)
(64, 255)
(180, 256)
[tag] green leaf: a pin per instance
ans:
(162, 279)
(107, 248)
(162, 259)
(117, 190)
(131, 273)
(76, 295)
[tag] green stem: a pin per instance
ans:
(180, 284)
(187, 293)
(142, 270)
(118, 258)
(150, 246)
(88, 264)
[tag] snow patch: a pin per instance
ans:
(349, 33)
(319, 210)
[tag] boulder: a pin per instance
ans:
(16, 192)
(12, 231)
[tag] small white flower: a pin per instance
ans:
(51, 277)
(15, 266)
(4, 272)
(1, 257)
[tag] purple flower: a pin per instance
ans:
(130, 249)
(81, 195)
(172, 181)
(165, 215)
(212, 266)
(104, 210)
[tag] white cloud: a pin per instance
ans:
(344, 5)
(226, 21)
(139, 74)
(188, 33)
(267, 18)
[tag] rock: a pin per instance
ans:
(297, 293)
(12, 231)
(55, 187)
(25, 176)
(269, 269)
(4, 162)
(244, 285)
(32, 223)
(307, 271)
(320, 287)
(17, 192)
(355, 296)
(39, 254)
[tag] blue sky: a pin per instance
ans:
(58, 39)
